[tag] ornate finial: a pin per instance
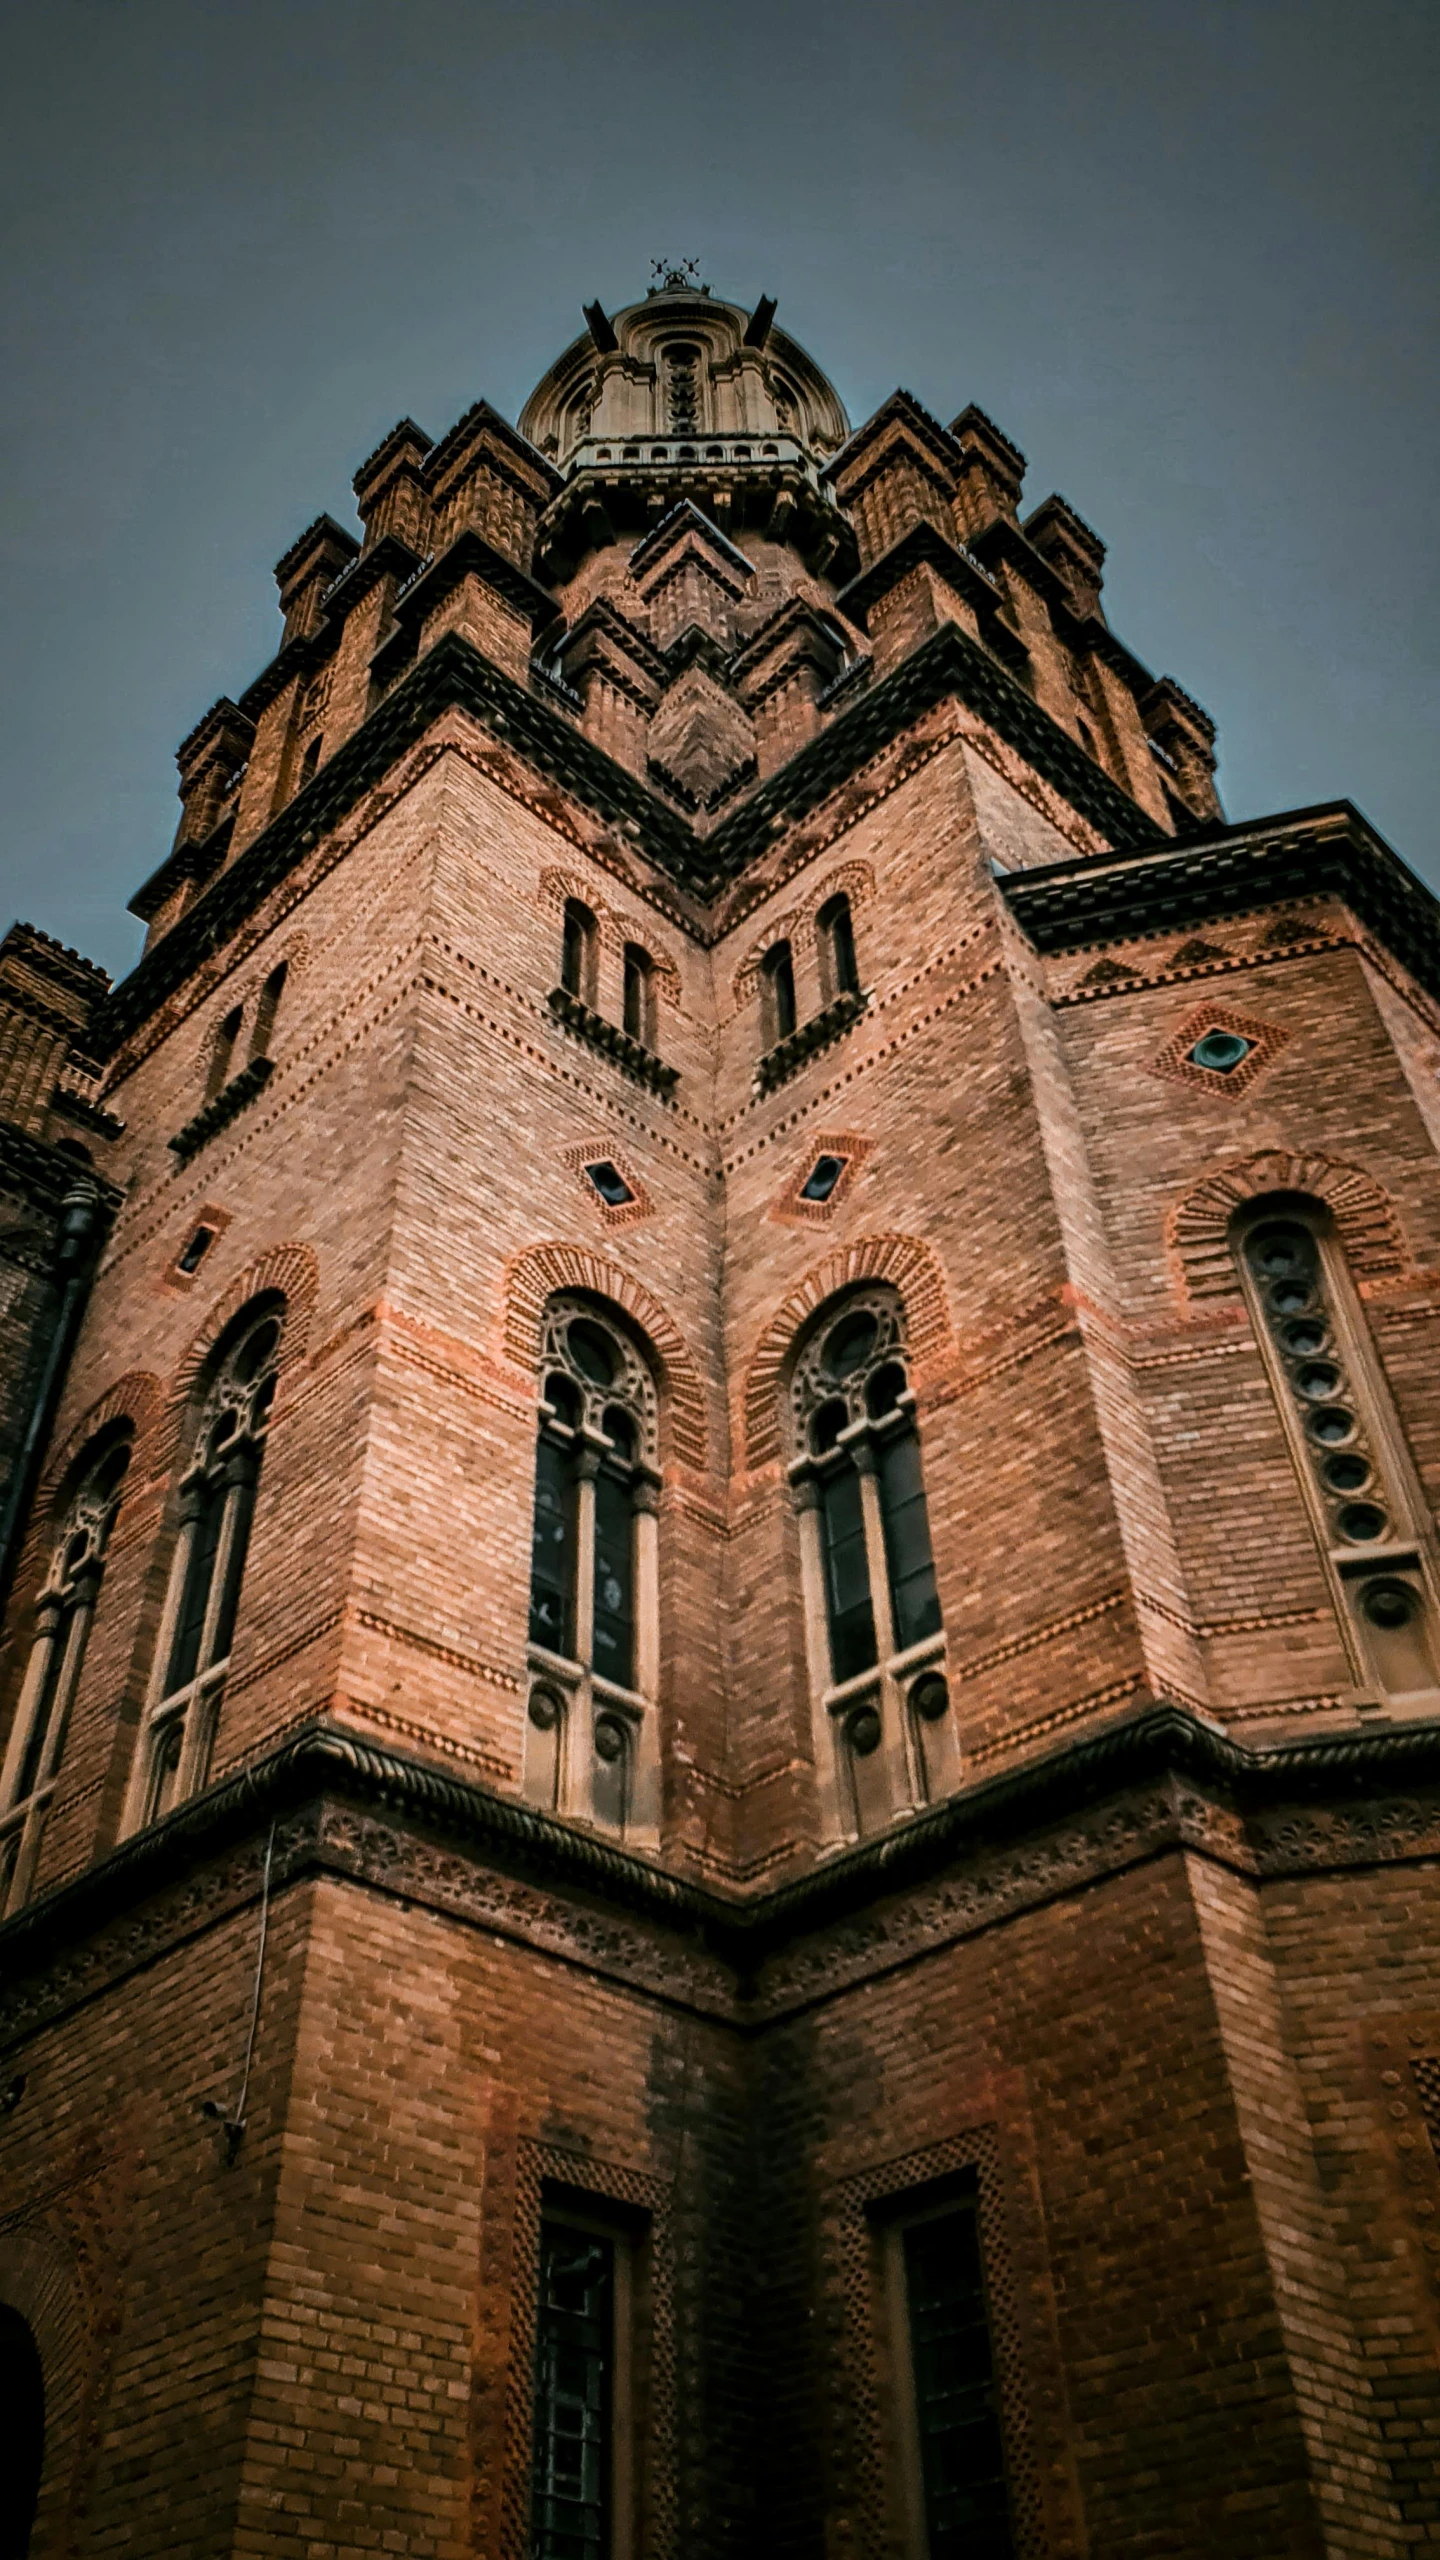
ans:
(684, 278)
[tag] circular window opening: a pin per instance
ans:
(544, 1710)
(1318, 1379)
(929, 1696)
(609, 1738)
(1331, 1427)
(885, 1390)
(1278, 1251)
(1220, 1051)
(1303, 1339)
(1346, 1474)
(827, 1426)
(1361, 1522)
(862, 1731)
(1287, 1297)
(851, 1342)
(563, 1397)
(591, 1351)
(1389, 1604)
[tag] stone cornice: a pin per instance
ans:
(1157, 1780)
(1219, 871)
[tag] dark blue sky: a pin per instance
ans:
(1184, 254)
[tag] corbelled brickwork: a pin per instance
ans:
(496, 969)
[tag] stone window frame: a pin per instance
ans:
(64, 1616)
(1405, 1561)
(616, 1791)
(863, 1785)
(224, 1449)
(638, 2205)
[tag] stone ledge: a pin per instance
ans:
(789, 1054)
(630, 1055)
(217, 1114)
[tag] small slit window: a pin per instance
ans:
(840, 967)
(639, 995)
(579, 950)
(778, 984)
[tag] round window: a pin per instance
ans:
(591, 1351)
(1278, 1251)
(1389, 1604)
(1304, 1338)
(930, 1697)
(1347, 1473)
(862, 1731)
(1287, 1297)
(1318, 1379)
(850, 1343)
(1221, 1051)
(544, 1710)
(609, 1738)
(1362, 1522)
(1331, 1427)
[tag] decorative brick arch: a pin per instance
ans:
(615, 928)
(856, 879)
(1365, 1218)
(542, 1269)
(911, 1269)
(291, 1272)
(40, 2278)
(139, 1399)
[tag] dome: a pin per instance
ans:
(703, 380)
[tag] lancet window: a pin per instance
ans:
(594, 1595)
(1366, 1505)
(639, 1007)
(839, 964)
(63, 1616)
(876, 1643)
(265, 1012)
(579, 950)
(777, 976)
(225, 1447)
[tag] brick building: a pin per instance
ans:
(723, 1685)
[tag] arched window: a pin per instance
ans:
(579, 950)
(876, 1641)
(226, 1443)
(639, 1013)
(1358, 1479)
(594, 1595)
(222, 1052)
(839, 967)
(22, 2397)
(777, 974)
(265, 1012)
(63, 1616)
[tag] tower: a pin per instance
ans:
(722, 1678)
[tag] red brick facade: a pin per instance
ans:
(1131, 1942)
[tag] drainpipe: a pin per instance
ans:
(77, 1244)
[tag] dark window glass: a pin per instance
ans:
(309, 763)
(35, 1747)
(234, 1570)
(822, 1177)
(22, 2397)
(614, 1579)
(913, 1595)
(835, 923)
(847, 1579)
(266, 1011)
(220, 1055)
(576, 937)
(552, 1560)
(610, 1182)
(194, 1599)
(637, 993)
(196, 1250)
(780, 974)
(574, 2388)
(952, 2360)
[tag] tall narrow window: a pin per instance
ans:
(579, 946)
(265, 1012)
(593, 1584)
(1366, 1504)
(578, 2340)
(878, 1642)
(839, 964)
(63, 1617)
(309, 763)
(207, 1567)
(954, 2396)
(778, 975)
(222, 1050)
(22, 2397)
(639, 994)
